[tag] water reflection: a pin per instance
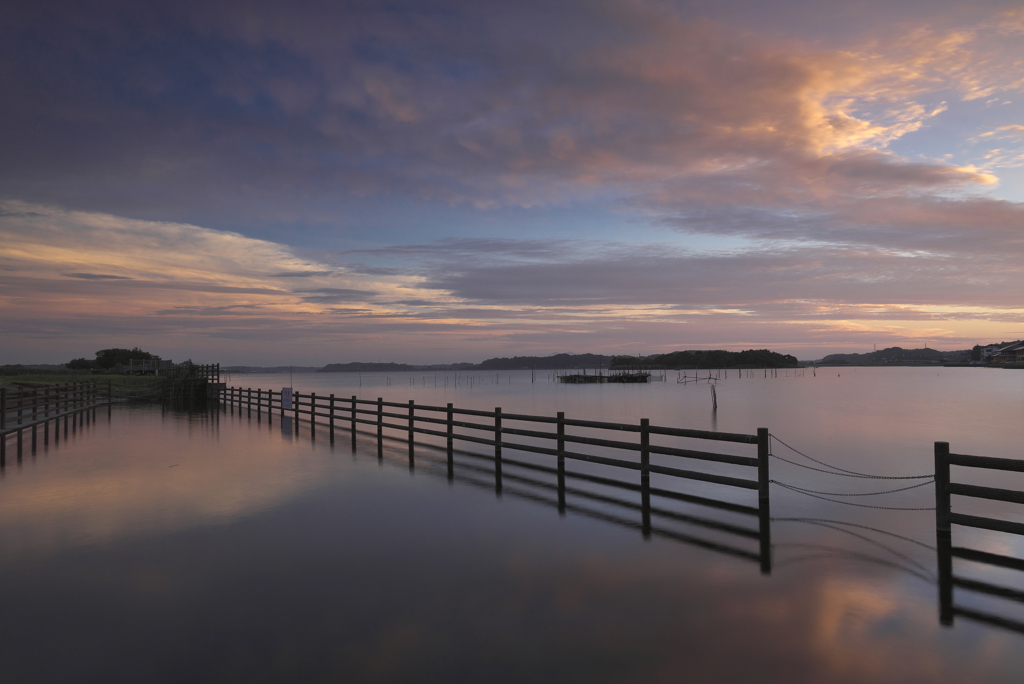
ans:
(335, 569)
(142, 472)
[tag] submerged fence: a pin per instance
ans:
(945, 518)
(34, 408)
(465, 425)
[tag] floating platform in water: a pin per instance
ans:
(582, 378)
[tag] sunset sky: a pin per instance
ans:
(440, 181)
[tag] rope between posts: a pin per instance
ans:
(887, 491)
(850, 503)
(841, 471)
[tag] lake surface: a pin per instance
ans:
(214, 546)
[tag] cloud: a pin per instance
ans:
(334, 295)
(789, 152)
(95, 276)
(299, 274)
(249, 113)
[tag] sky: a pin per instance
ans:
(443, 181)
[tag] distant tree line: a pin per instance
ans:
(554, 362)
(711, 358)
(895, 355)
(109, 358)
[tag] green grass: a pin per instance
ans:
(117, 381)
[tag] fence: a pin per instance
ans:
(31, 408)
(945, 518)
(451, 425)
(210, 372)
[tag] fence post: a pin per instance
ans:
(312, 415)
(332, 419)
(3, 408)
(497, 449)
(561, 462)
(380, 428)
(645, 475)
(763, 500)
(352, 417)
(248, 403)
(110, 396)
(411, 412)
(450, 429)
(942, 506)
(295, 406)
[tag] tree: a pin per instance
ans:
(80, 364)
(108, 358)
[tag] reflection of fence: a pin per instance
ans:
(464, 425)
(34, 408)
(945, 518)
(535, 489)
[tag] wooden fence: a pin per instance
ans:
(209, 371)
(945, 518)
(34, 408)
(490, 428)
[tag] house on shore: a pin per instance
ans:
(1013, 353)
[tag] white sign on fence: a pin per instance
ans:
(286, 398)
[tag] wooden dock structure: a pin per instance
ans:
(624, 376)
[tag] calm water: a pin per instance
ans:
(162, 546)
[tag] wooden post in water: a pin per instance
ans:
(380, 428)
(3, 408)
(332, 419)
(497, 450)
(248, 406)
(561, 463)
(943, 533)
(352, 417)
(645, 475)
(763, 501)
(295, 406)
(450, 430)
(412, 409)
(312, 415)
(942, 506)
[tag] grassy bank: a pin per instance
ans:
(48, 379)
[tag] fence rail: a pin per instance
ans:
(945, 518)
(548, 435)
(34, 408)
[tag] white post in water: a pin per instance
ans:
(286, 398)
